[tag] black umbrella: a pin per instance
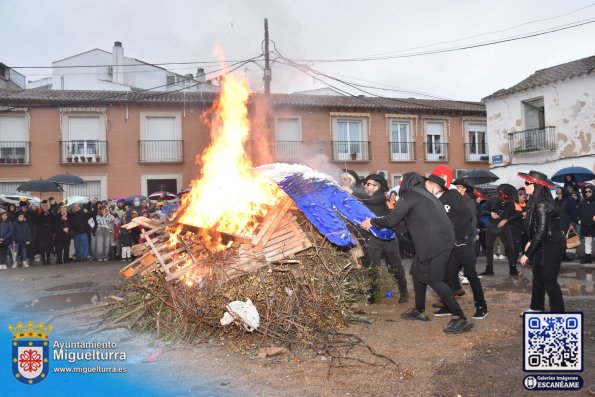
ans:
(39, 185)
(579, 174)
(67, 179)
(478, 177)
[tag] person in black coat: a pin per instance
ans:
(5, 237)
(462, 216)
(501, 210)
(546, 245)
(375, 187)
(433, 237)
(44, 230)
(586, 219)
(61, 226)
(22, 236)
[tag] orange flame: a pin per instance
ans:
(228, 195)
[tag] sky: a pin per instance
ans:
(302, 33)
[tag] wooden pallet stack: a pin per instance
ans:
(277, 237)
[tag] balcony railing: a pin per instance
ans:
(476, 152)
(436, 151)
(401, 151)
(15, 152)
(533, 140)
(83, 152)
(287, 150)
(161, 151)
(351, 151)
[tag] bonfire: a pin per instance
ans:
(240, 261)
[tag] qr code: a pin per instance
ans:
(553, 342)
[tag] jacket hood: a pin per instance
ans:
(410, 181)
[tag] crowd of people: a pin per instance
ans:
(92, 229)
(445, 229)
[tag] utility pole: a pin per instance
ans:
(267, 66)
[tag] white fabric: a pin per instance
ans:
(588, 245)
(245, 312)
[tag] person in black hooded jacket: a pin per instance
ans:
(546, 245)
(433, 237)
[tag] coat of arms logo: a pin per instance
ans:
(30, 351)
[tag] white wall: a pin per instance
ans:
(569, 107)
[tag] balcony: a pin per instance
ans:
(476, 152)
(401, 151)
(287, 150)
(351, 151)
(161, 151)
(83, 152)
(15, 152)
(436, 151)
(533, 140)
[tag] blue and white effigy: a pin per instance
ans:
(324, 203)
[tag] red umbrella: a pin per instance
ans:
(162, 196)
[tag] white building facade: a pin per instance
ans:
(101, 70)
(545, 123)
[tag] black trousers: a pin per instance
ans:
(62, 249)
(376, 248)
(506, 237)
(445, 293)
(464, 255)
(546, 266)
(517, 239)
(3, 254)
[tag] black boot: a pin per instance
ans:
(586, 259)
(488, 272)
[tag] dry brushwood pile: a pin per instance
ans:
(303, 299)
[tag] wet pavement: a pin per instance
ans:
(41, 293)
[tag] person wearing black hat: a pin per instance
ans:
(375, 186)
(500, 210)
(463, 253)
(546, 245)
(434, 238)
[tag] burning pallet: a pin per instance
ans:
(277, 237)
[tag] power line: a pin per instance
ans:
(452, 49)
(487, 33)
(141, 63)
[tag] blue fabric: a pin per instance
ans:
(167, 209)
(325, 204)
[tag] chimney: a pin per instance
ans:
(200, 75)
(118, 62)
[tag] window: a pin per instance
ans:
(534, 114)
(476, 142)
(400, 141)
(83, 134)
(170, 79)
(435, 145)
(14, 139)
(160, 137)
(287, 138)
(9, 186)
(459, 173)
(535, 131)
(397, 179)
(89, 189)
(348, 140)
